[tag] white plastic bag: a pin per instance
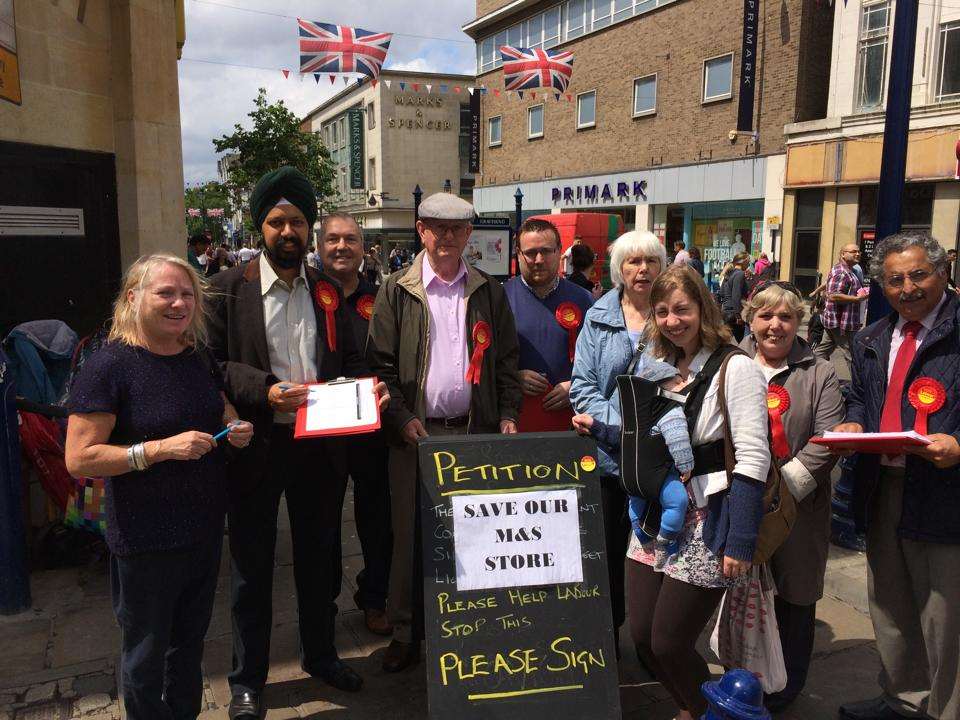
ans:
(746, 634)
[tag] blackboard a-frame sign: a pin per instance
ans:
(516, 600)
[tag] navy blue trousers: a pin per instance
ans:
(163, 602)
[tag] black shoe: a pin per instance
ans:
(876, 709)
(338, 674)
(779, 701)
(245, 706)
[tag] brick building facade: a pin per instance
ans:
(664, 77)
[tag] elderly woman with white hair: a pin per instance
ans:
(611, 332)
(145, 412)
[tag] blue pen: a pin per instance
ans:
(223, 433)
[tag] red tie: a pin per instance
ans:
(890, 420)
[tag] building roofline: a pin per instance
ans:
(474, 27)
(353, 87)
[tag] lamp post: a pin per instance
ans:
(447, 186)
(518, 203)
(417, 197)
(15, 586)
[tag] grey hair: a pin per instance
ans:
(338, 216)
(901, 242)
(632, 244)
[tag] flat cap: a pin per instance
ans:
(445, 206)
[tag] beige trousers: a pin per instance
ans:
(914, 594)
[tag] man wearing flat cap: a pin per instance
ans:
(443, 339)
(277, 325)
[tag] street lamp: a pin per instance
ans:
(447, 186)
(417, 197)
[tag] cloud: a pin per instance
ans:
(215, 95)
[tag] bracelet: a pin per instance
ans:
(131, 462)
(136, 457)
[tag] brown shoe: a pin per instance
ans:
(400, 655)
(377, 622)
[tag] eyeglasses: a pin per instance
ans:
(531, 254)
(916, 277)
(441, 229)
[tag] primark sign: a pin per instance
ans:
(596, 193)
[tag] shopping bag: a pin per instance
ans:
(746, 634)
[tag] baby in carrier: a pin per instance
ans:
(660, 415)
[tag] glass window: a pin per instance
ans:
(551, 27)
(718, 78)
(334, 134)
(535, 32)
(806, 242)
(948, 81)
(601, 13)
(575, 10)
(515, 35)
(341, 123)
(486, 54)
(645, 95)
(494, 130)
(371, 116)
(587, 109)
(371, 173)
(498, 43)
(622, 9)
(644, 5)
(872, 54)
(916, 212)
(535, 121)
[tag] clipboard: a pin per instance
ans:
(533, 418)
(330, 407)
(893, 443)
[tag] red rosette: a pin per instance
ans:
(927, 396)
(326, 296)
(778, 402)
(481, 341)
(569, 315)
(365, 306)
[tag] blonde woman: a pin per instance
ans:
(144, 410)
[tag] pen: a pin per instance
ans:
(223, 433)
(357, 386)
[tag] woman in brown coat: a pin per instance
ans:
(809, 390)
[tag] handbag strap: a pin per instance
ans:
(729, 454)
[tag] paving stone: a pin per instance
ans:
(54, 710)
(96, 684)
(65, 686)
(41, 693)
(282, 714)
(92, 703)
(215, 714)
(24, 646)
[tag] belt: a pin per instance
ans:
(453, 422)
(709, 458)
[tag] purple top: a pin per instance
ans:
(447, 393)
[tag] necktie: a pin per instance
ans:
(890, 420)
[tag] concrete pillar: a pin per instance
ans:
(644, 217)
(773, 198)
(146, 117)
(845, 227)
(784, 254)
(946, 210)
(827, 252)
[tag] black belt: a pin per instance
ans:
(453, 422)
(709, 458)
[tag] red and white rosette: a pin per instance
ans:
(927, 396)
(778, 402)
(365, 306)
(326, 296)
(569, 315)
(481, 341)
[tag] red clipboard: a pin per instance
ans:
(533, 418)
(874, 443)
(300, 430)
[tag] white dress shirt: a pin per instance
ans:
(290, 324)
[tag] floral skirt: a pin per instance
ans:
(695, 563)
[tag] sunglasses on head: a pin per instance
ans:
(761, 286)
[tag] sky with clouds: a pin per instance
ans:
(215, 95)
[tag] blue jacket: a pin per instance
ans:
(604, 351)
(931, 496)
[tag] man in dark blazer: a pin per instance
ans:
(277, 325)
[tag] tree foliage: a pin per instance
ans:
(275, 140)
(204, 197)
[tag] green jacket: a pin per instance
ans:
(399, 341)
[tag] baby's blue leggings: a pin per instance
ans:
(673, 500)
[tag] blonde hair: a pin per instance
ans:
(773, 296)
(126, 326)
(713, 331)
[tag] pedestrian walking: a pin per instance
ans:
(841, 311)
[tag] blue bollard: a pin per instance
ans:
(14, 580)
(735, 696)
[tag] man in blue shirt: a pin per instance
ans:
(549, 313)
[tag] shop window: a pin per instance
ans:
(806, 240)
(948, 81)
(535, 122)
(645, 95)
(916, 213)
(718, 78)
(493, 134)
(587, 110)
(872, 54)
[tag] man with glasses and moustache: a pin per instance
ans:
(549, 312)
(905, 369)
(430, 323)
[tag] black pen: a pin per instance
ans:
(357, 386)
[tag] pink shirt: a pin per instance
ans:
(447, 393)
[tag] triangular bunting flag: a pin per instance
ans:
(416, 87)
(346, 80)
(388, 83)
(569, 97)
(286, 74)
(403, 86)
(429, 88)
(520, 94)
(556, 96)
(496, 93)
(470, 90)
(456, 88)
(533, 95)
(316, 76)
(332, 78)
(373, 82)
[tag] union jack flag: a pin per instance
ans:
(525, 69)
(326, 48)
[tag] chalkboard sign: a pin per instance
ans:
(516, 600)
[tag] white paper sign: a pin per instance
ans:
(517, 539)
(341, 405)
